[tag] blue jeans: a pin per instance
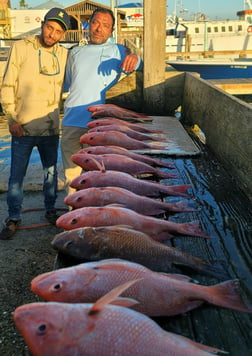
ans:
(21, 149)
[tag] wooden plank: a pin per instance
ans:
(242, 86)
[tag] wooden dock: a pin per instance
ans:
(237, 86)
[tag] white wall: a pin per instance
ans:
(23, 21)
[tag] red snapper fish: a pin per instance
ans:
(99, 329)
(117, 162)
(112, 120)
(117, 138)
(128, 131)
(103, 242)
(124, 180)
(115, 111)
(158, 294)
(98, 150)
(101, 196)
(158, 229)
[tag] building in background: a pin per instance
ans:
(134, 13)
(5, 19)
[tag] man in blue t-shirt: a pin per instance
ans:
(91, 70)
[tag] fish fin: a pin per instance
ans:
(100, 166)
(110, 296)
(182, 205)
(103, 167)
(125, 227)
(124, 302)
(105, 228)
(193, 228)
(202, 266)
(209, 349)
(179, 277)
(116, 205)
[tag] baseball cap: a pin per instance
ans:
(57, 14)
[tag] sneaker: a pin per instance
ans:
(9, 228)
(51, 216)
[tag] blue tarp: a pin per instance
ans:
(131, 4)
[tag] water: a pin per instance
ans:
(5, 146)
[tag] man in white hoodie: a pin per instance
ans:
(30, 97)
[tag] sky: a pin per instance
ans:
(213, 9)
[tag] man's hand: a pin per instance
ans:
(16, 130)
(129, 63)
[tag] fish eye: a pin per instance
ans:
(78, 199)
(57, 287)
(83, 181)
(68, 243)
(42, 329)
(74, 221)
(91, 138)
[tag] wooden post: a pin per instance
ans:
(154, 54)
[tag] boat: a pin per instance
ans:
(202, 34)
(215, 68)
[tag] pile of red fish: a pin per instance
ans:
(125, 273)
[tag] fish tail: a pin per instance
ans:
(193, 229)
(206, 348)
(156, 131)
(227, 295)
(164, 164)
(181, 205)
(178, 190)
(187, 262)
(162, 174)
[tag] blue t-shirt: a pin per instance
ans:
(91, 70)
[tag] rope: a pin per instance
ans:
(37, 225)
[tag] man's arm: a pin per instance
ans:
(8, 93)
(132, 62)
(8, 86)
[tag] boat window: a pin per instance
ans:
(223, 29)
(230, 28)
(196, 30)
(209, 29)
(239, 27)
(216, 29)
